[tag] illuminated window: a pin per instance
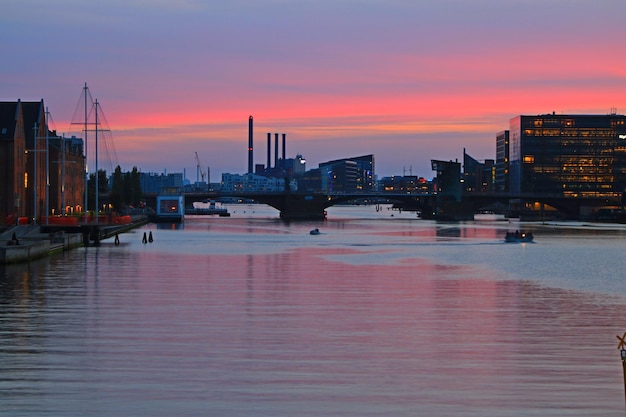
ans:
(529, 159)
(26, 180)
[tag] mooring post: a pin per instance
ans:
(622, 350)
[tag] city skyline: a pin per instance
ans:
(405, 81)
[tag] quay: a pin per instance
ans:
(24, 243)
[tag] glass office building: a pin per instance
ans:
(577, 156)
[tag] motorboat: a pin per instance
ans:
(518, 237)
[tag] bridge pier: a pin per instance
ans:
(298, 207)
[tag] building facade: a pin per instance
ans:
(40, 173)
(577, 156)
(502, 162)
(66, 166)
(12, 162)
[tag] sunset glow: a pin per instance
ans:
(406, 81)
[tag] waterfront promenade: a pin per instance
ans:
(23, 243)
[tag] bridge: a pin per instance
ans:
(313, 205)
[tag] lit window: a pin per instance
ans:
(26, 180)
(529, 159)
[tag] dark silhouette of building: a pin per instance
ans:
(348, 175)
(478, 176)
(447, 182)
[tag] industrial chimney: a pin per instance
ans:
(276, 150)
(250, 141)
(269, 150)
(284, 146)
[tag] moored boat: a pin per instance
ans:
(212, 209)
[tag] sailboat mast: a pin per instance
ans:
(97, 173)
(47, 166)
(86, 155)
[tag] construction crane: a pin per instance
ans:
(199, 171)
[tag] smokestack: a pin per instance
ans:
(250, 154)
(284, 146)
(276, 150)
(269, 150)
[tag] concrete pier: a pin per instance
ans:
(25, 243)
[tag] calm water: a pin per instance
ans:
(380, 315)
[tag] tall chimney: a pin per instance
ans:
(269, 150)
(250, 154)
(284, 146)
(276, 150)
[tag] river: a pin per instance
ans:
(381, 314)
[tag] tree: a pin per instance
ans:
(117, 190)
(103, 188)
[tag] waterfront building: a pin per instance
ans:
(573, 156)
(12, 162)
(40, 173)
(67, 170)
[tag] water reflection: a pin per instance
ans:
(253, 317)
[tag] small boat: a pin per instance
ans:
(315, 231)
(517, 237)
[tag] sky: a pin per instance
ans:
(405, 80)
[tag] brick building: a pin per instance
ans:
(25, 170)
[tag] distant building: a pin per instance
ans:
(311, 180)
(348, 175)
(568, 155)
(502, 161)
(153, 183)
(255, 183)
(478, 176)
(404, 184)
(294, 167)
